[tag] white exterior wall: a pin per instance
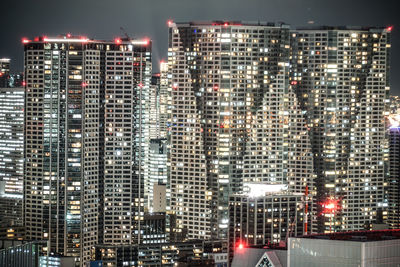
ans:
(314, 252)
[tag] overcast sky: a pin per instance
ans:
(102, 19)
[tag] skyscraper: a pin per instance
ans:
(153, 106)
(64, 80)
(84, 127)
(394, 178)
(158, 172)
(4, 72)
(16, 80)
(394, 106)
(128, 75)
(234, 118)
(341, 77)
(12, 139)
(11, 155)
(164, 100)
(394, 171)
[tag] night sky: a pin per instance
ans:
(102, 19)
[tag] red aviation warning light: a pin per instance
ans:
(84, 84)
(240, 246)
(68, 35)
(389, 28)
(25, 41)
(169, 22)
(23, 83)
(117, 41)
(226, 24)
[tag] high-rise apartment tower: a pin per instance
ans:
(341, 78)
(234, 118)
(84, 131)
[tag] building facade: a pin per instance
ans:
(85, 141)
(12, 140)
(341, 78)
(265, 214)
(394, 104)
(158, 175)
(11, 210)
(62, 143)
(191, 253)
(128, 76)
(4, 72)
(234, 118)
(394, 177)
(154, 107)
(24, 254)
(359, 248)
(164, 100)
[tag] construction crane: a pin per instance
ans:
(124, 32)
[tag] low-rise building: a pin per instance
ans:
(363, 248)
(190, 253)
(265, 214)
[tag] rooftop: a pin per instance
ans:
(229, 23)
(259, 189)
(359, 236)
(68, 38)
(346, 28)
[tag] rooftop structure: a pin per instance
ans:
(359, 248)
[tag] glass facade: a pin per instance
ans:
(157, 170)
(12, 140)
(24, 255)
(11, 155)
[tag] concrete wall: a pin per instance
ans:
(316, 252)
